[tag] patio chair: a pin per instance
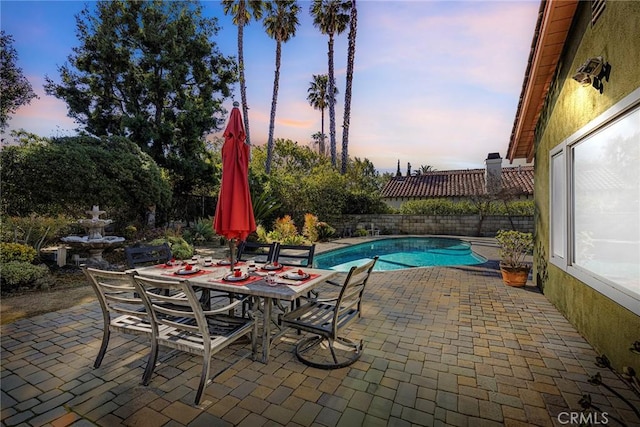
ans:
(179, 322)
(147, 255)
(295, 255)
(326, 318)
(122, 310)
(261, 252)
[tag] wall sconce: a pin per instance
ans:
(593, 72)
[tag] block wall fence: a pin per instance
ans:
(459, 225)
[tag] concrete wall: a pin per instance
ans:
(609, 327)
(464, 225)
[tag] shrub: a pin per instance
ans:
(310, 229)
(514, 247)
(16, 252)
(179, 246)
(17, 274)
(437, 207)
(202, 230)
(284, 231)
(129, 232)
(325, 231)
(360, 232)
(70, 174)
(35, 230)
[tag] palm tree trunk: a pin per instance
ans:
(243, 87)
(321, 147)
(351, 53)
(332, 107)
(274, 101)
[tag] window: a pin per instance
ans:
(595, 207)
(558, 201)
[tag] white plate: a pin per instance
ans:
(224, 262)
(272, 267)
(296, 276)
(232, 278)
(184, 272)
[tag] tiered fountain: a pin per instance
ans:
(95, 242)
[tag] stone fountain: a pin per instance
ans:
(95, 241)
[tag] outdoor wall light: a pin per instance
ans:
(593, 72)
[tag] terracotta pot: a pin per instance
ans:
(516, 277)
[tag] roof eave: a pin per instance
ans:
(554, 21)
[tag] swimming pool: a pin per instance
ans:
(400, 253)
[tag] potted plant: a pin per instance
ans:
(514, 247)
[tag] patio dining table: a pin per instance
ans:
(213, 278)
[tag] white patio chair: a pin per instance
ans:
(179, 322)
(122, 310)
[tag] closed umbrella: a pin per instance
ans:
(234, 211)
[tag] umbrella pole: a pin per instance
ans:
(231, 247)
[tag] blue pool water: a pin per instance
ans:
(400, 253)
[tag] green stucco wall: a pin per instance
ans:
(609, 327)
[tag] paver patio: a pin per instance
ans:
(444, 346)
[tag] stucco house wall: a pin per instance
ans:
(569, 107)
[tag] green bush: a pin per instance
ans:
(35, 230)
(448, 207)
(179, 246)
(202, 230)
(360, 232)
(325, 231)
(69, 175)
(129, 232)
(437, 207)
(16, 252)
(16, 275)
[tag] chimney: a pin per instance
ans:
(493, 173)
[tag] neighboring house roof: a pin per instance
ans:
(554, 21)
(457, 183)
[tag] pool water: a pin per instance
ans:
(400, 253)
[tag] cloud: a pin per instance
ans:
(45, 116)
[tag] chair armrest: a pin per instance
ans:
(331, 282)
(225, 308)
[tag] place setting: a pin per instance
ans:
(292, 277)
(238, 277)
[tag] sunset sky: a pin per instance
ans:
(436, 82)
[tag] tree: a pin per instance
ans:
(243, 11)
(69, 175)
(15, 89)
(331, 18)
(351, 53)
(424, 169)
(318, 97)
(149, 71)
(280, 23)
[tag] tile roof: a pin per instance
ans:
(456, 183)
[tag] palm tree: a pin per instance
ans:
(280, 23)
(318, 98)
(331, 18)
(425, 169)
(351, 53)
(243, 11)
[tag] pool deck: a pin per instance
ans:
(444, 346)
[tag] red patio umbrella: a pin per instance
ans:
(234, 211)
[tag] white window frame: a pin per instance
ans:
(559, 177)
(624, 296)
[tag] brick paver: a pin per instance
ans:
(443, 346)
